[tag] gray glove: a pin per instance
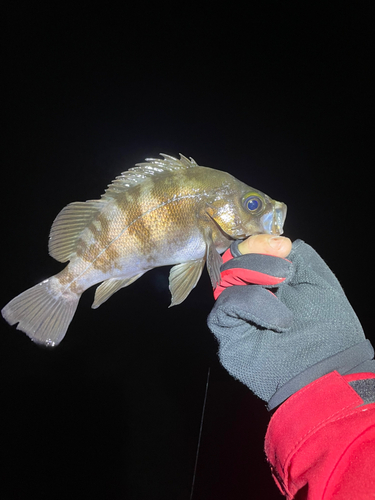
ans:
(276, 343)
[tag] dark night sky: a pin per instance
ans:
(282, 98)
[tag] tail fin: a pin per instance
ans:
(42, 312)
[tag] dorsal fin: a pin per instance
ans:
(74, 218)
(151, 167)
(169, 162)
(68, 225)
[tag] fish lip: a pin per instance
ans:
(279, 216)
(273, 222)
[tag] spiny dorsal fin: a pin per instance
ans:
(169, 162)
(74, 218)
(68, 225)
(151, 167)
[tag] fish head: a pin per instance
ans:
(248, 211)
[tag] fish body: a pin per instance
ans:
(162, 212)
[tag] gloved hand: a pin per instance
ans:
(277, 342)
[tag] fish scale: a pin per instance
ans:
(165, 211)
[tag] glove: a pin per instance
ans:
(278, 341)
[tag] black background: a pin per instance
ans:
(281, 97)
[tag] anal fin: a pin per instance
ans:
(111, 286)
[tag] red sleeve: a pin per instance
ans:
(321, 442)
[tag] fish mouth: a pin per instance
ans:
(273, 222)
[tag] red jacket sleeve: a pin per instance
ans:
(320, 443)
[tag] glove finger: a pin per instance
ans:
(251, 304)
(257, 269)
(260, 263)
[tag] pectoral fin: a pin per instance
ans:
(183, 278)
(111, 286)
(214, 260)
(212, 212)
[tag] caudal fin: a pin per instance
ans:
(42, 312)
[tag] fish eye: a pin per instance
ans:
(253, 203)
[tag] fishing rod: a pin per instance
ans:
(200, 434)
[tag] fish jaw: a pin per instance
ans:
(273, 222)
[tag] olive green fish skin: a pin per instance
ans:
(163, 212)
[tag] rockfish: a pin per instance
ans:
(161, 212)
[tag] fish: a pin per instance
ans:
(164, 211)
